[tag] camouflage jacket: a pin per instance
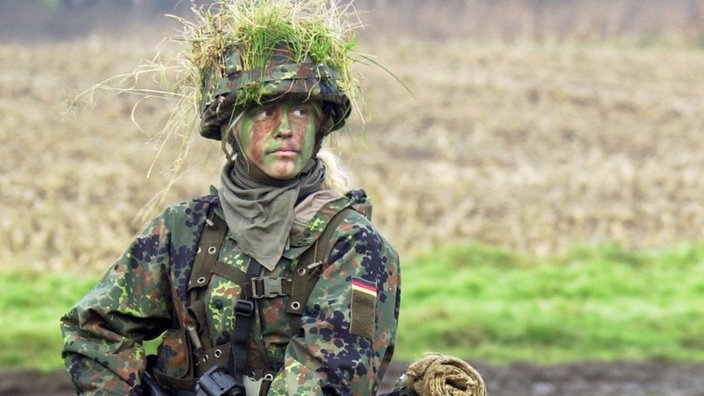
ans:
(144, 294)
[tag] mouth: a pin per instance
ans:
(285, 150)
(284, 154)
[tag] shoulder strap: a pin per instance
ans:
(214, 232)
(310, 266)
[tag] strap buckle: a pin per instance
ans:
(267, 287)
(244, 308)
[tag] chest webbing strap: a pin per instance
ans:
(298, 285)
(244, 309)
(212, 237)
(310, 266)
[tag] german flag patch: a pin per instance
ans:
(363, 307)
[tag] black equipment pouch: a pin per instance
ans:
(217, 382)
(150, 387)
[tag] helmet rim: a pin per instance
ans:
(239, 89)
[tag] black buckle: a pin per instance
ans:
(217, 382)
(267, 287)
(244, 308)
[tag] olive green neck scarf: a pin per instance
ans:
(259, 209)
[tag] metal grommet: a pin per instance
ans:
(301, 271)
(205, 358)
(252, 374)
(295, 305)
(217, 353)
(269, 377)
(201, 280)
(198, 251)
(212, 250)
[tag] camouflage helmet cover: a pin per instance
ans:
(281, 76)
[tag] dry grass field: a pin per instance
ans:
(542, 148)
(531, 145)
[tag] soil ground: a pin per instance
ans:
(584, 378)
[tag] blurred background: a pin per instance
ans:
(532, 125)
(536, 163)
(644, 20)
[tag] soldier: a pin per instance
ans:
(274, 283)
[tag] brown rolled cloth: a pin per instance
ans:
(441, 375)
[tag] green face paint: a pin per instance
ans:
(279, 138)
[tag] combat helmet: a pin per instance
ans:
(266, 53)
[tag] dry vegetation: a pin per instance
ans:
(529, 146)
(539, 148)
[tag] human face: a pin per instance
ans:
(279, 138)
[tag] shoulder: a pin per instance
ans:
(351, 218)
(351, 208)
(193, 208)
(355, 243)
(360, 202)
(357, 211)
(187, 217)
(356, 203)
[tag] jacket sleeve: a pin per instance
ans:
(349, 325)
(103, 332)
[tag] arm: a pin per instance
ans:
(349, 326)
(103, 332)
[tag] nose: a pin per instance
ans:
(284, 128)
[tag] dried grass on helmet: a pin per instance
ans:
(319, 28)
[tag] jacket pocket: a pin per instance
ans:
(174, 365)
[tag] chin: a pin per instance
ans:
(283, 172)
(282, 175)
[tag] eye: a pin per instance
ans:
(263, 113)
(301, 112)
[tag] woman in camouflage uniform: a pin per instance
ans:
(204, 267)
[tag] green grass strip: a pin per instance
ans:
(30, 307)
(592, 303)
(478, 303)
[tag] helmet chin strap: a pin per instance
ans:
(319, 135)
(231, 137)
